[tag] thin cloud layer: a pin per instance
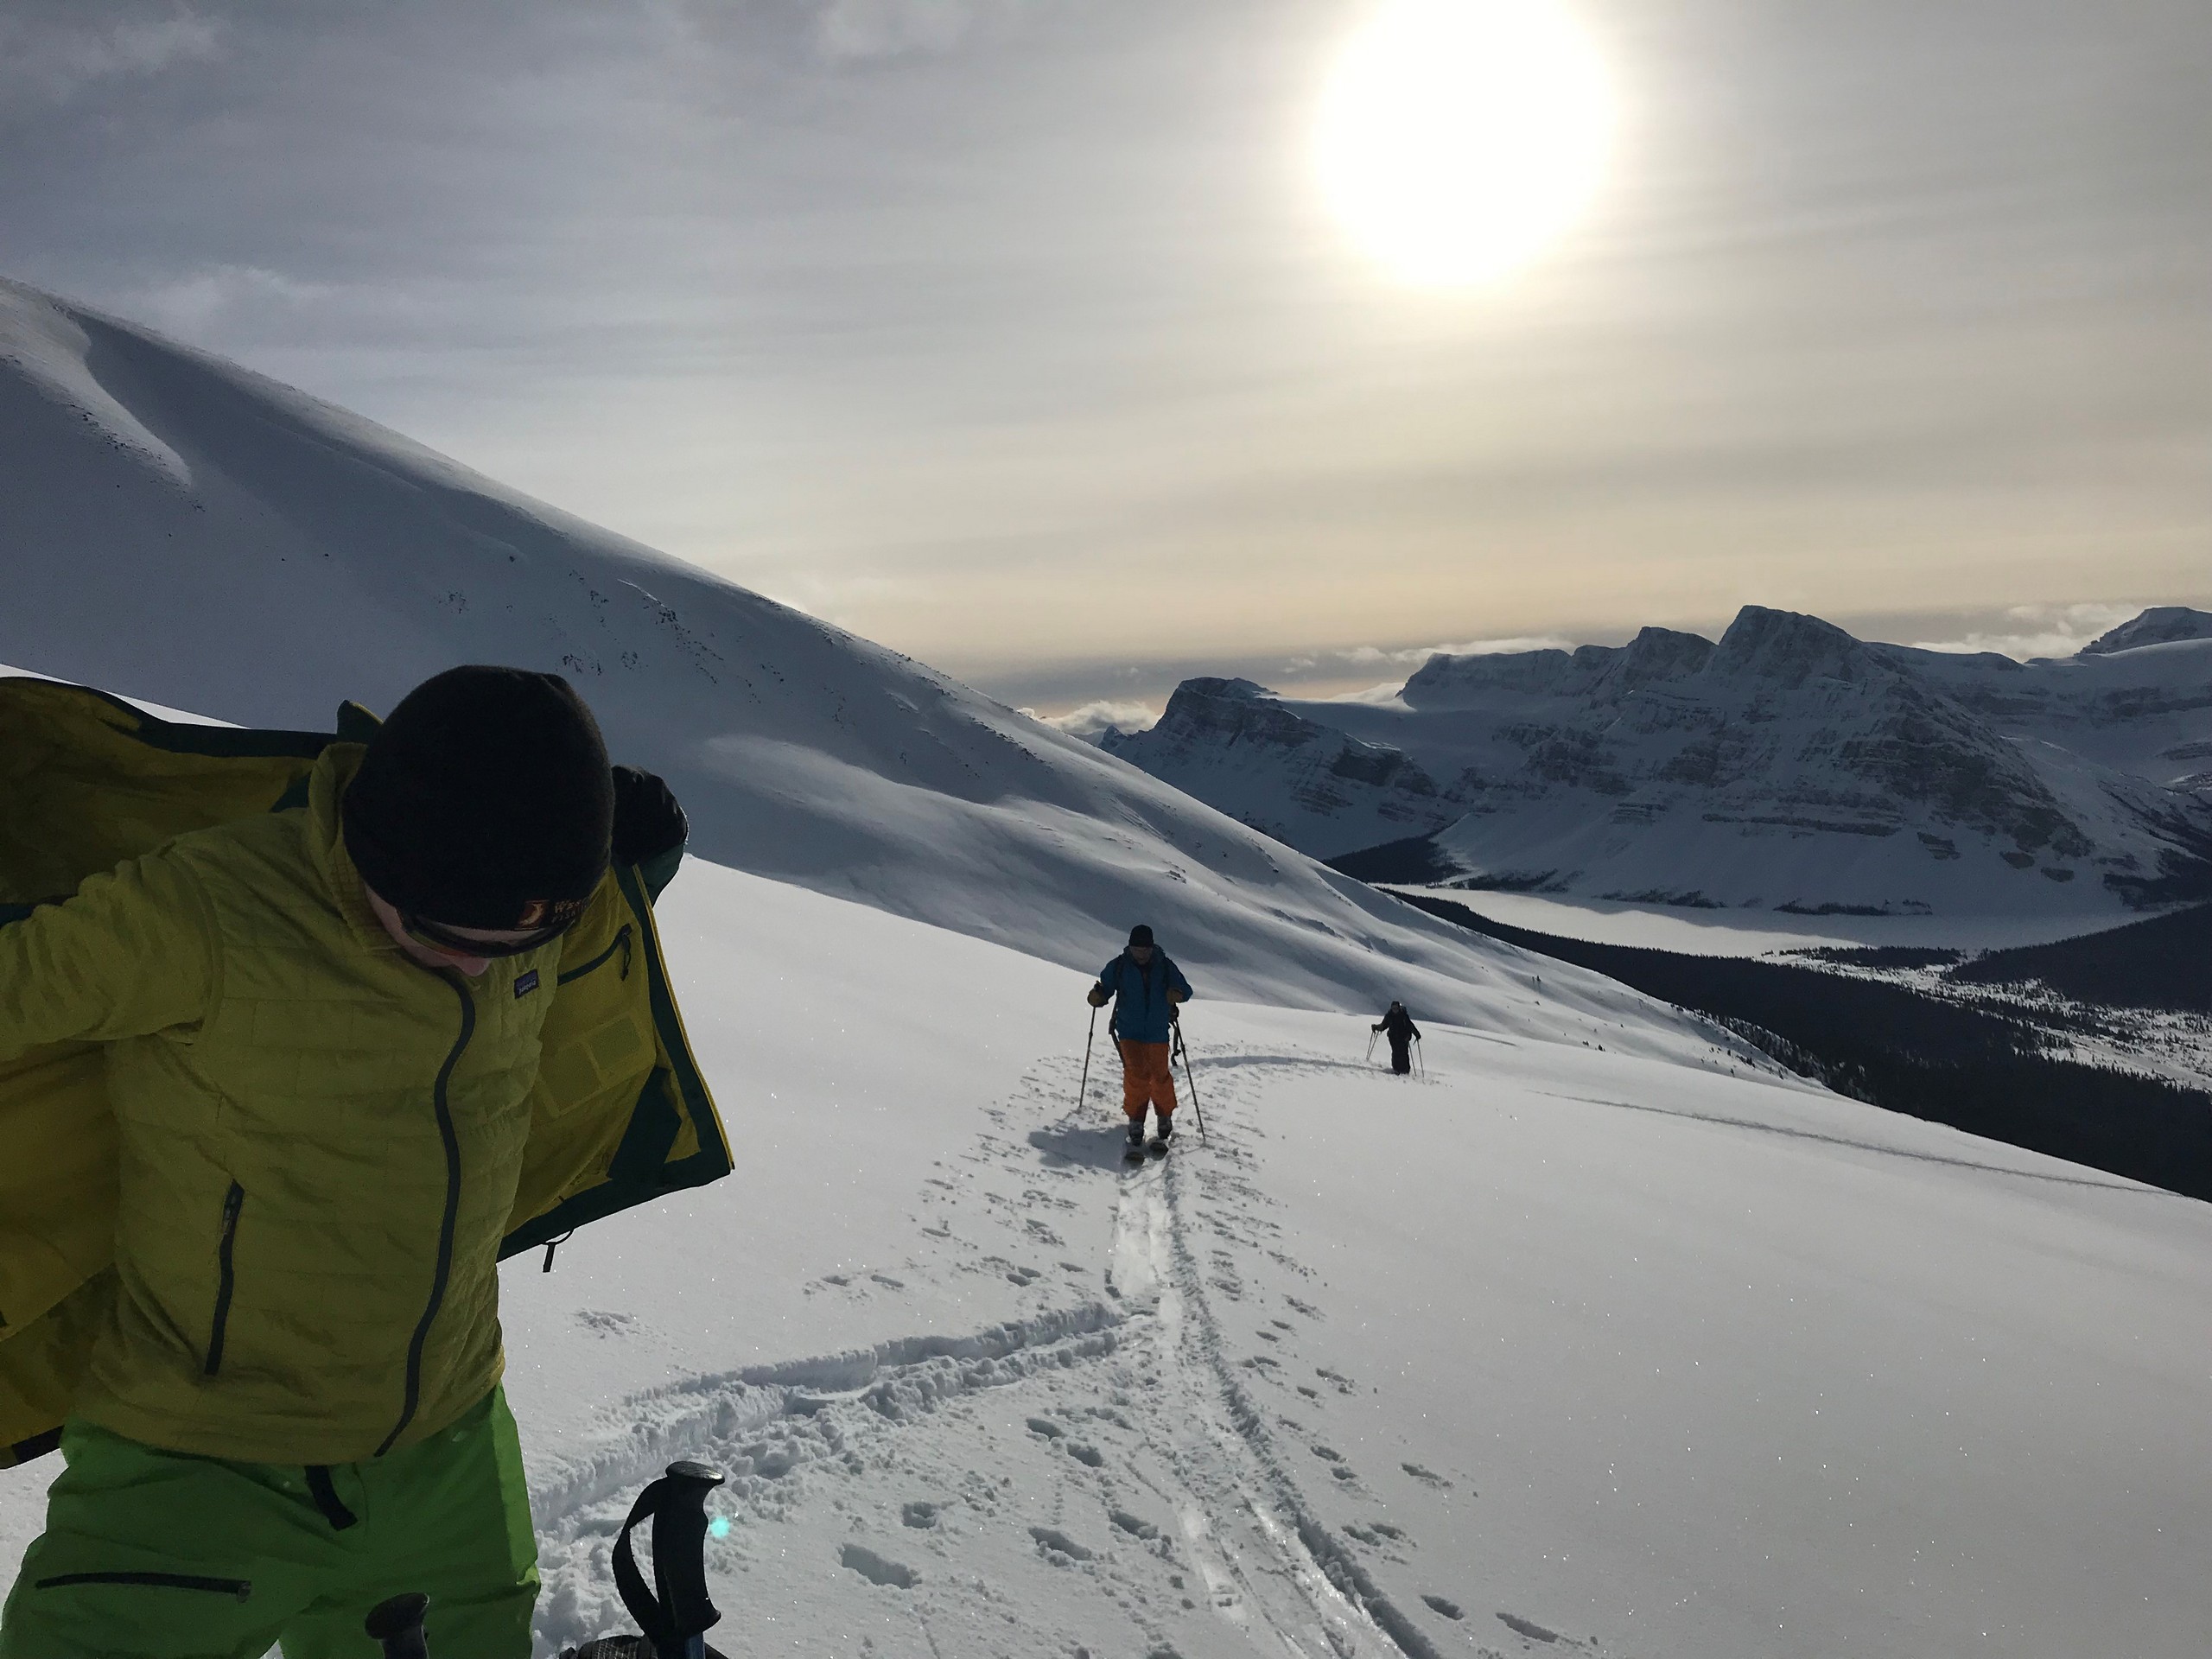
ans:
(1015, 333)
(850, 30)
(48, 56)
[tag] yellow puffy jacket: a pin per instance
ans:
(302, 1152)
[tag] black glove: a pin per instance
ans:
(648, 823)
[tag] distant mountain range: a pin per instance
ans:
(1788, 766)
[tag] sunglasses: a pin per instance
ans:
(460, 944)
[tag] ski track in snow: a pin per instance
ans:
(1170, 1493)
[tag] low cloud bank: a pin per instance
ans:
(2043, 631)
(1089, 722)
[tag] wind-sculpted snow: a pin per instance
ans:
(176, 528)
(1789, 767)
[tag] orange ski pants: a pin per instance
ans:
(1148, 1078)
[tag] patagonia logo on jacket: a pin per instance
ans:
(525, 984)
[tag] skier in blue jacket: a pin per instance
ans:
(1144, 986)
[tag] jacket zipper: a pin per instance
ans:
(443, 1104)
(227, 1276)
(619, 942)
(239, 1588)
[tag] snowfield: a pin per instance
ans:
(1559, 1342)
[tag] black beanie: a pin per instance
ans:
(1140, 934)
(489, 788)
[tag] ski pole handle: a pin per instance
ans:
(676, 1621)
(397, 1624)
(680, 1554)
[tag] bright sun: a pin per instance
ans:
(1458, 137)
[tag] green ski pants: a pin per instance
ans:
(154, 1554)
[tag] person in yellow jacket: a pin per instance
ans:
(321, 1032)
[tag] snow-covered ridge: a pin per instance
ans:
(176, 528)
(1786, 766)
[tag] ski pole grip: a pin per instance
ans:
(397, 1624)
(680, 1550)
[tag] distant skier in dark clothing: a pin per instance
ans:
(1398, 1025)
(1144, 987)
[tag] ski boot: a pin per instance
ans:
(1158, 1144)
(1134, 1151)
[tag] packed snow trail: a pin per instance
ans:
(1130, 1398)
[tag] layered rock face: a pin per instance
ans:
(1787, 765)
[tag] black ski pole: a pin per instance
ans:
(1420, 1059)
(676, 1622)
(1370, 1050)
(1082, 1093)
(1189, 1077)
(397, 1624)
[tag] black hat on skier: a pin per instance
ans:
(485, 801)
(1140, 934)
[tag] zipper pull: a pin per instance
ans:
(552, 1244)
(623, 939)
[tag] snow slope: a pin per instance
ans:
(1559, 1351)
(176, 528)
(1787, 766)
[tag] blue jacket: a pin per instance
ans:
(1142, 1013)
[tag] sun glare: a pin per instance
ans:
(1458, 138)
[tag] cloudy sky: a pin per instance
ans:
(1019, 334)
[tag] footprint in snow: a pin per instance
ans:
(1059, 1548)
(918, 1514)
(1428, 1475)
(600, 1323)
(1046, 1426)
(1526, 1627)
(1449, 1608)
(876, 1570)
(1132, 1525)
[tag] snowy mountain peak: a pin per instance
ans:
(1655, 654)
(1787, 649)
(1789, 766)
(2162, 625)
